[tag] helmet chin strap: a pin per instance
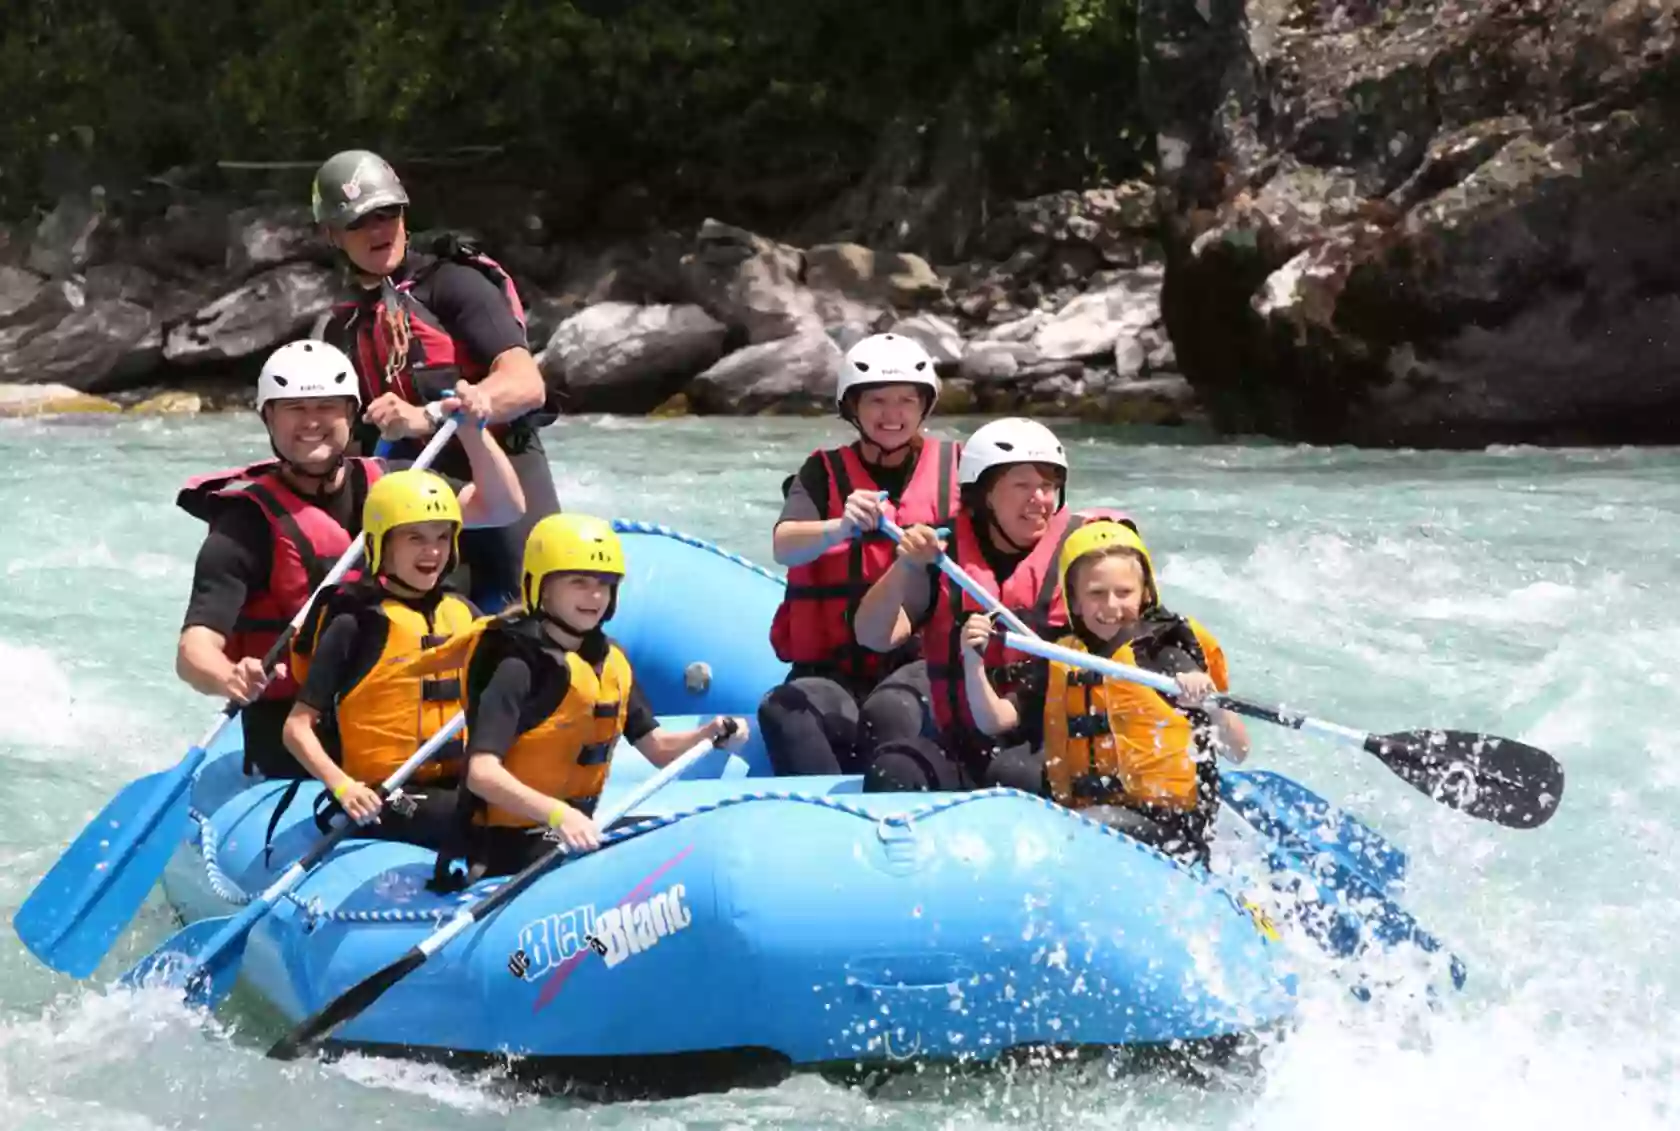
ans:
(882, 448)
(996, 527)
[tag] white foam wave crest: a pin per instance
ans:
(98, 555)
(486, 1092)
(52, 709)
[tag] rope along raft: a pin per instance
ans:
(228, 889)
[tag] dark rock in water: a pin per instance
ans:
(87, 344)
(796, 374)
(265, 236)
(753, 285)
(1434, 223)
(942, 340)
(180, 289)
(263, 312)
(618, 357)
(121, 281)
(18, 288)
(64, 237)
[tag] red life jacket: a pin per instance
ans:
(1031, 593)
(431, 360)
(307, 543)
(813, 624)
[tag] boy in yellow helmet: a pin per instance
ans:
(548, 697)
(362, 692)
(1129, 755)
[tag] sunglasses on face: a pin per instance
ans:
(377, 216)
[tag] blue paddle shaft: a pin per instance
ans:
(235, 928)
(968, 585)
(44, 923)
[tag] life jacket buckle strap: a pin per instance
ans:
(1089, 726)
(595, 754)
(607, 710)
(1096, 788)
(440, 690)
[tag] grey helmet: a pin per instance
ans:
(351, 184)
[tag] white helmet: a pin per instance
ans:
(1003, 442)
(307, 370)
(886, 359)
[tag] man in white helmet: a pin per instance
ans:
(277, 527)
(827, 537)
(1006, 535)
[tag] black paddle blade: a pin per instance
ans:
(345, 1006)
(1497, 779)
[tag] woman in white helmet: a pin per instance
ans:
(819, 720)
(1006, 535)
(277, 527)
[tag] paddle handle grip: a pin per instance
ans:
(488, 906)
(966, 583)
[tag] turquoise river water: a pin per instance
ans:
(1523, 591)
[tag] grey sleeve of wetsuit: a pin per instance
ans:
(803, 490)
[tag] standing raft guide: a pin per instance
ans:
(476, 834)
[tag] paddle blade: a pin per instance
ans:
(193, 961)
(82, 905)
(1497, 779)
(1276, 805)
(345, 1006)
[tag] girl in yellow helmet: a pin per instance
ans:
(363, 694)
(548, 697)
(1129, 755)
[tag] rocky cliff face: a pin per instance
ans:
(1423, 222)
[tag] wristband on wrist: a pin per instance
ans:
(556, 815)
(341, 789)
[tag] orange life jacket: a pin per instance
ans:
(1110, 742)
(398, 699)
(566, 755)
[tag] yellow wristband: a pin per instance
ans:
(557, 815)
(341, 789)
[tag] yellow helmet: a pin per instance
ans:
(403, 497)
(1100, 535)
(569, 543)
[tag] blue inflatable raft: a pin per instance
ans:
(747, 924)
